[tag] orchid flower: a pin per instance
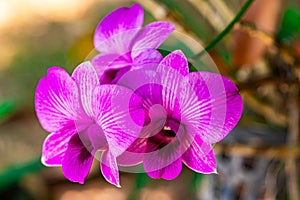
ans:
(123, 43)
(79, 113)
(185, 113)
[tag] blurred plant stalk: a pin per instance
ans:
(293, 139)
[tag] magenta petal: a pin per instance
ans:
(77, 161)
(112, 76)
(134, 154)
(194, 111)
(120, 115)
(96, 137)
(109, 168)
(169, 172)
(163, 156)
(152, 35)
(110, 67)
(55, 146)
(151, 93)
(200, 157)
(118, 43)
(146, 59)
(86, 79)
(116, 31)
(145, 83)
(220, 105)
(177, 61)
(154, 123)
(172, 81)
(103, 62)
(57, 101)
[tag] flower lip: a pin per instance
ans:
(110, 76)
(160, 140)
(166, 135)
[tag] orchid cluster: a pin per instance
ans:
(134, 106)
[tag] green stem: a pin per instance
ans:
(221, 35)
(140, 183)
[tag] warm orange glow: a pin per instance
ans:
(14, 12)
(21, 17)
(60, 10)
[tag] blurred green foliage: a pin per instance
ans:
(14, 173)
(290, 26)
(7, 107)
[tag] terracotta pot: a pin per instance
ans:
(247, 44)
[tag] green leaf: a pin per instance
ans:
(290, 25)
(7, 107)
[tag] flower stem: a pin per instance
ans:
(140, 183)
(221, 35)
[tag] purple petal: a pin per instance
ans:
(169, 172)
(194, 112)
(103, 62)
(86, 79)
(177, 61)
(97, 138)
(120, 115)
(147, 59)
(116, 31)
(200, 157)
(160, 94)
(112, 76)
(153, 35)
(55, 146)
(118, 43)
(109, 168)
(163, 155)
(146, 84)
(134, 154)
(77, 161)
(57, 101)
(220, 105)
(111, 67)
(172, 82)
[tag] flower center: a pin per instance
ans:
(167, 132)
(164, 137)
(113, 75)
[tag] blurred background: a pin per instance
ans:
(260, 53)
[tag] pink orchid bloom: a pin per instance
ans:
(80, 114)
(124, 44)
(185, 114)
